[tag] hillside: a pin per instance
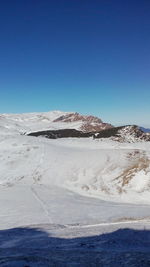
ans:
(98, 166)
(129, 133)
(53, 120)
(70, 199)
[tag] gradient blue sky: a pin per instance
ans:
(76, 55)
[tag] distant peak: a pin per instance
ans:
(88, 122)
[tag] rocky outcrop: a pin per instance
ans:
(87, 127)
(78, 117)
(88, 123)
(129, 133)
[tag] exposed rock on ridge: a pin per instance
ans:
(129, 133)
(89, 123)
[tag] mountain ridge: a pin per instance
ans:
(52, 120)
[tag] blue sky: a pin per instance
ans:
(76, 55)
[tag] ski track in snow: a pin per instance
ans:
(36, 180)
(109, 224)
(42, 204)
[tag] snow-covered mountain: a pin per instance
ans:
(88, 123)
(68, 188)
(129, 133)
(56, 120)
(94, 172)
(52, 120)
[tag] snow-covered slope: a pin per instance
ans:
(42, 176)
(29, 121)
(104, 169)
(63, 194)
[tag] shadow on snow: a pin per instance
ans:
(28, 247)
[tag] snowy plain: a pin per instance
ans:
(74, 201)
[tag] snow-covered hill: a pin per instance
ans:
(128, 133)
(29, 122)
(68, 188)
(103, 169)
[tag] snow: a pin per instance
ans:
(30, 122)
(63, 195)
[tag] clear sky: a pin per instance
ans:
(87, 56)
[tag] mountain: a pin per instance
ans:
(88, 123)
(145, 130)
(128, 133)
(52, 120)
(52, 123)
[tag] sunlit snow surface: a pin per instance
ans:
(63, 194)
